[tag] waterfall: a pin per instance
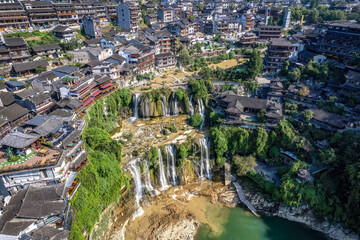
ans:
(163, 181)
(202, 112)
(165, 109)
(146, 109)
(136, 103)
(191, 107)
(148, 185)
(170, 105)
(134, 169)
(176, 108)
(204, 161)
(170, 155)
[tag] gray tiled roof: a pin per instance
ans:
(20, 67)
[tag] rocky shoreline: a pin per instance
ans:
(171, 217)
(302, 214)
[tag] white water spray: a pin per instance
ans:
(163, 181)
(191, 107)
(202, 112)
(134, 169)
(148, 184)
(171, 171)
(146, 109)
(176, 108)
(136, 103)
(165, 109)
(204, 161)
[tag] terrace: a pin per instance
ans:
(36, 159)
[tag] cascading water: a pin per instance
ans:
(204, 161)
(136, 103)
(202, 112)
(165, 109)
(146, 109)
(148, 184)
(163, 181)
(191, 107)
(134, 169)
(170, 155)
(176, 108)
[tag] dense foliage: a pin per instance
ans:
(195, 120)
(241, 73)
(319, 13)
(335, 189)
(200, 89)
(35, 38)
(102, 178)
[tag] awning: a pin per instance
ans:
(88, 101)
(107, 85)
(93, 85)
(97, 92)
(82, 89)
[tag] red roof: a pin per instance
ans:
(82, 89)
(88, 101)
(107, 85)
(97, 92)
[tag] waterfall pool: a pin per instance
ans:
(239, 224)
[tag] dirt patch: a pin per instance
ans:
(32, 38)
(227, 63)
(176, 213)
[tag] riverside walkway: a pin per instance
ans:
(243, 199)
(228, 179)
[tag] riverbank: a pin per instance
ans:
(205, 208)
(303, 214)
(176, 213)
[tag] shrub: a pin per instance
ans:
(195, 120)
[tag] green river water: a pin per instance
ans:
(238, 224)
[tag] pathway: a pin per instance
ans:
(243, 199)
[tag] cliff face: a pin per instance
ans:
(302, 214)
(155, 108)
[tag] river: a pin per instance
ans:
(239, 224)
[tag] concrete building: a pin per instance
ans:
(268, 32)
(13, 16)
(279, 51)
(66, 13)
(166, 14)
(287, 18)
(128, 16)
(338, 40)
(41, 13)
(91, 26)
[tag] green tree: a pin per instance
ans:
(220, 145)
(308, 115)
(195, 120)
(179, 94)
(294, 75)
(285, 68)
(244, 164)
(261, 143)
(184, 58)
(261, 116)
(183, 153)
(40, 69)
(255, 64)
(232, 55)
(314, 16)
(304, 91)
(327, 156)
